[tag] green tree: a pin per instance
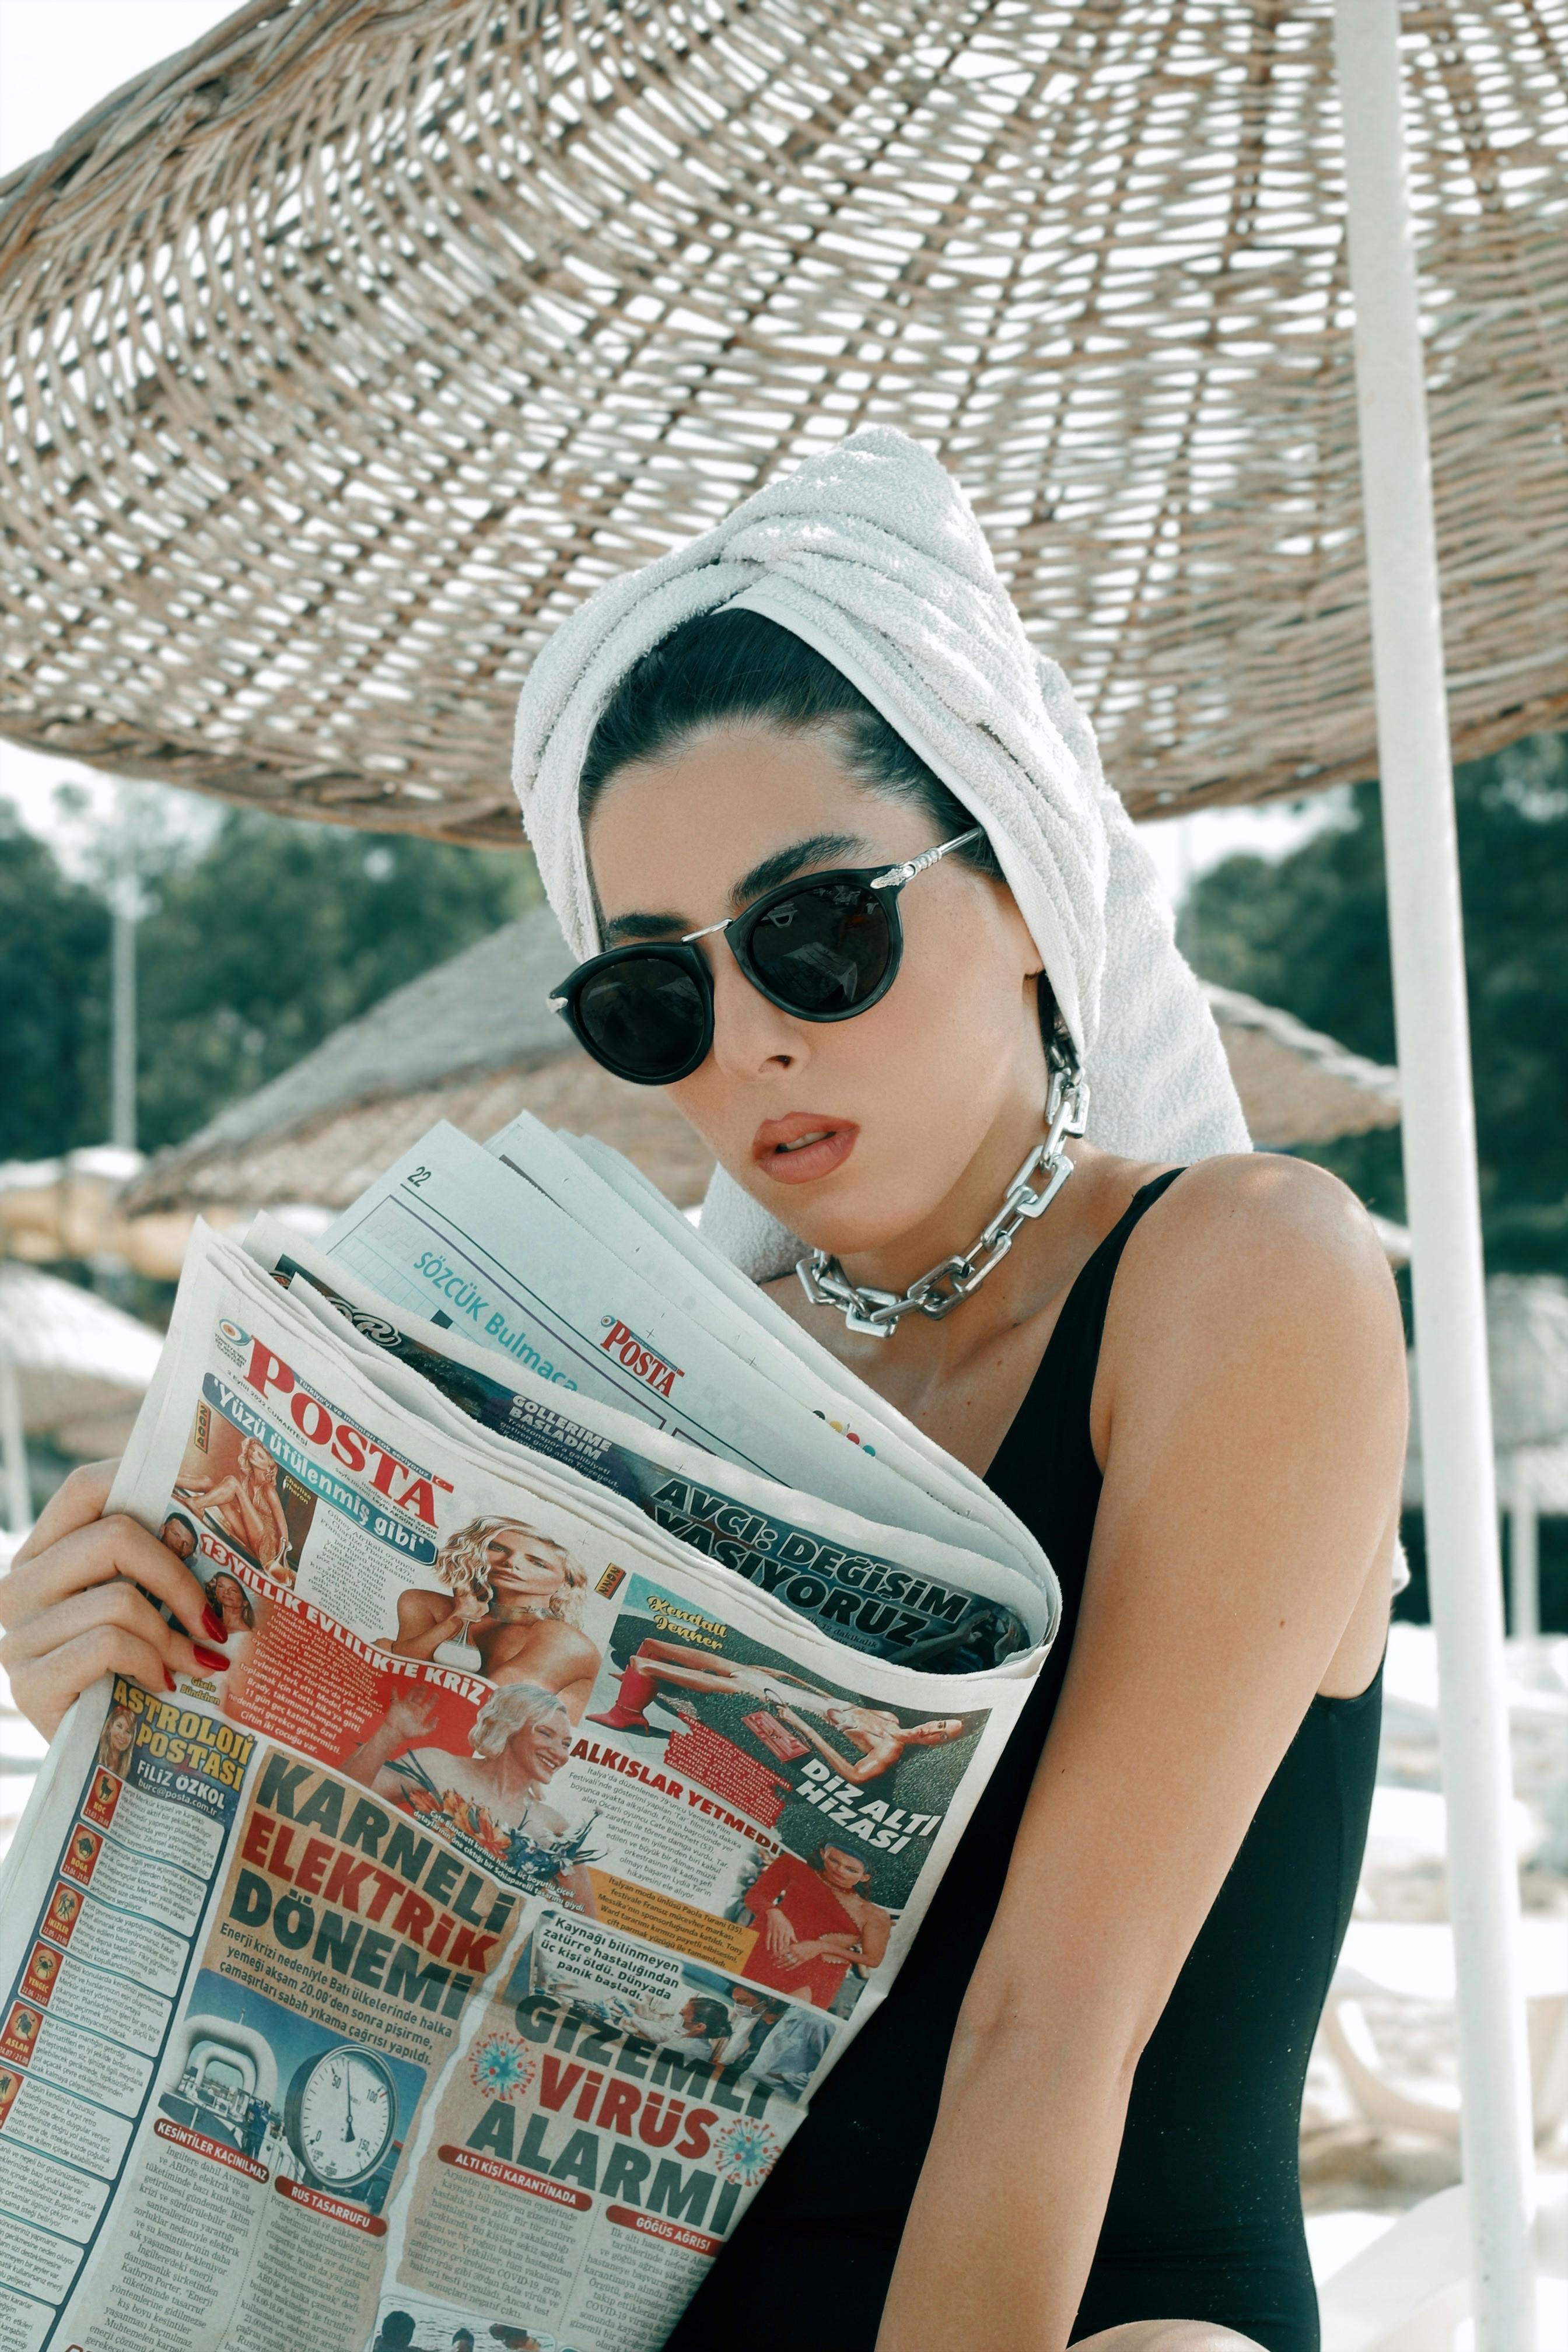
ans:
(281, 932)
(248, 953)
(54, 987)
(1310, 933)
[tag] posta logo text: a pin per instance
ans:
(637, 1357)
(318, 1425)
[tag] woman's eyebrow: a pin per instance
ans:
(781, 865)
(816, 849)
(638, 926)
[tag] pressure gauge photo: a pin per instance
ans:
(341, 2114)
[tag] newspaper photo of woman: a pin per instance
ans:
(816, 1924)
(232, 1609)
(516, 1597)
(875, 1732)
(117, 1739)
(876, 1736)
(491, 1798)
(232, 1602)
(244, 1508)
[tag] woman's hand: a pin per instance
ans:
(408, 1718)
(71, 1610)
(778, 1935)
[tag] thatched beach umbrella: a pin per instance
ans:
(474, 1042)
(349, 350)
(72, 1367)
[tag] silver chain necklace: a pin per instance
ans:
(876, 1313)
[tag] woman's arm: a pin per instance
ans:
(1250, 1413)
(427, 1619)
(406, 1720)
(875, 1929)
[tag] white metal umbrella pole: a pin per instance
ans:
(1433, 1029)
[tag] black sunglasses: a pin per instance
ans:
(824, 947)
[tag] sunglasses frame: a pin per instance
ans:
(737, 930)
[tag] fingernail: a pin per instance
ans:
(169, 1682)
(214, 1622)
(212, 1660)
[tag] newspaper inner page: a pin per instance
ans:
(742, 1315)
(829, 1565)
(444, 1234)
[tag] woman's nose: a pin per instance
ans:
(749, 1034)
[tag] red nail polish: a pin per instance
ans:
(169, 1682)
(212, 1660)
(213, 1622)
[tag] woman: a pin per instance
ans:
(816, 1925)
(232, 1620)
(876, 1735)
(514, 1600)
(117, 1739)
(231, 1603)
(697, 2032)
(244, 1510)
(874, 1732)
(835, 850)
(1075, 2115)
(491, 1800)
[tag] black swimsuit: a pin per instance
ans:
(1204, 2216)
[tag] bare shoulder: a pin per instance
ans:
(418, 1608)
(1246, 1214)
(1262, 1268)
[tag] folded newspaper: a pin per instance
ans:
(611, 1676)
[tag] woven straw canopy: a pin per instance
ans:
(348, 351)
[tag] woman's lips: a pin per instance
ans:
(806, 1145)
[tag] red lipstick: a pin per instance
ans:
(802, 1147)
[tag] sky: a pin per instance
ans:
(57, 59)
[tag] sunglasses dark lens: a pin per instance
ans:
(825, 949)
(645, 1016)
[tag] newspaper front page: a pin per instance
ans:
(470, 1949)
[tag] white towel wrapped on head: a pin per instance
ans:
(871, 553)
